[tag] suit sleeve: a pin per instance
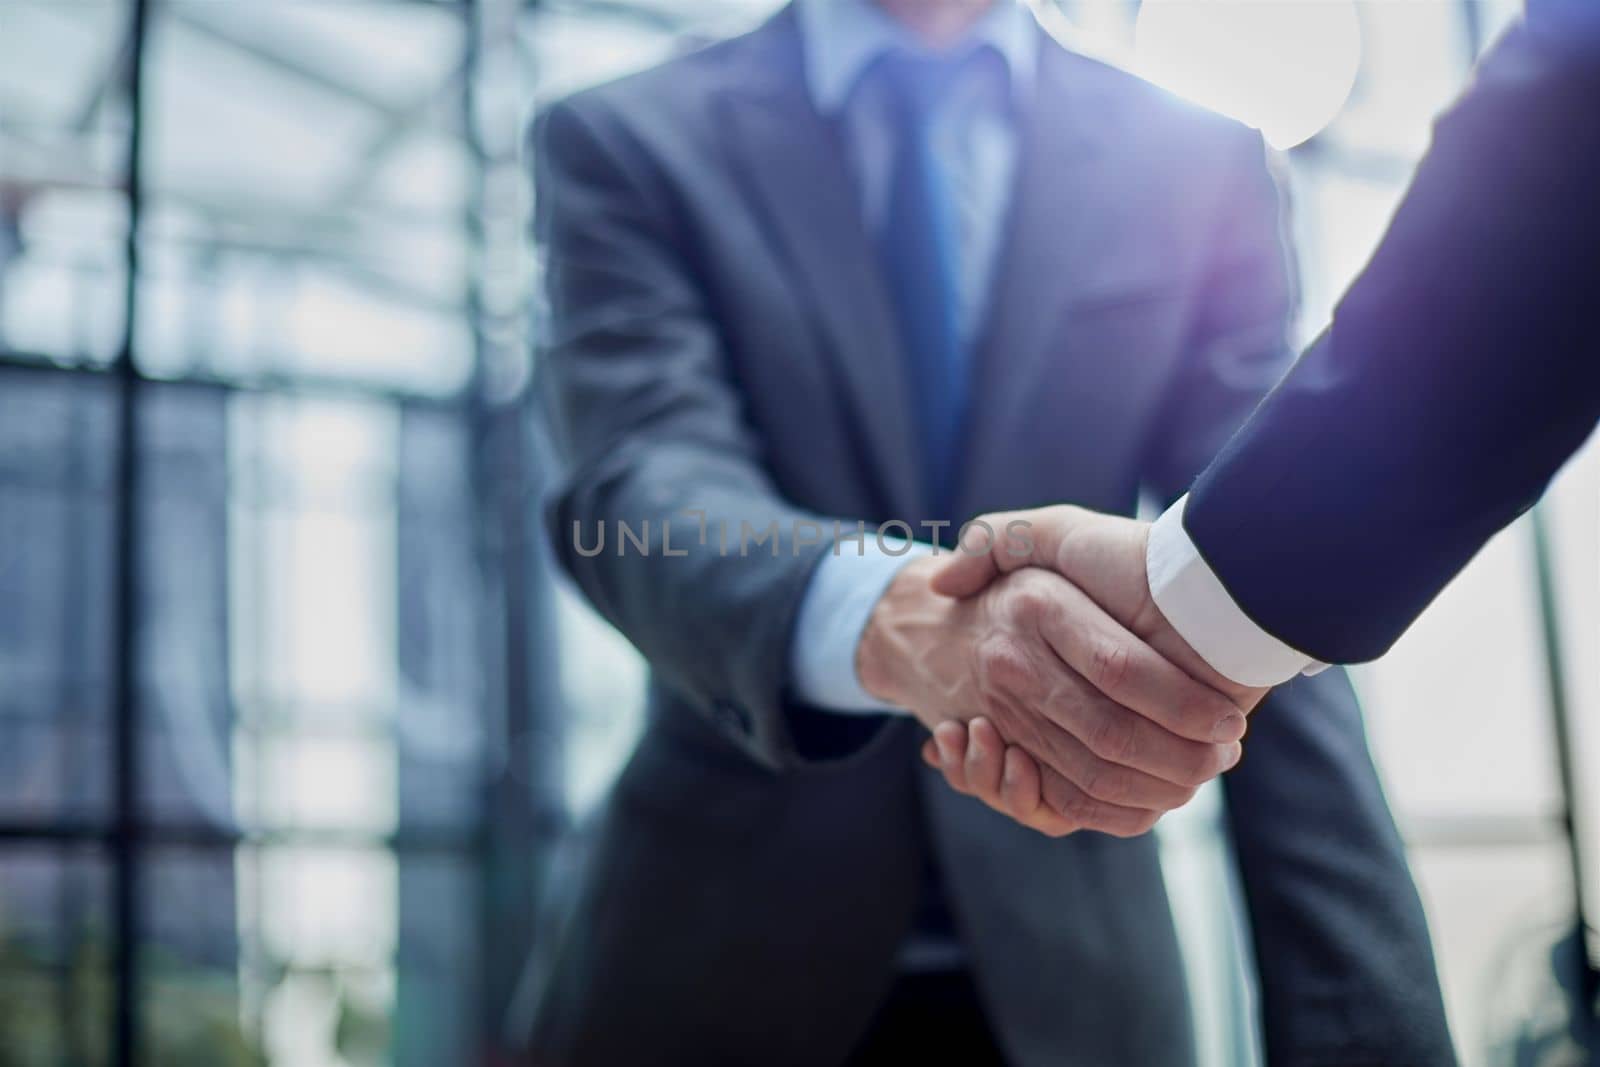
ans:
(1321, 864)
(654, 439)
(1460, 371)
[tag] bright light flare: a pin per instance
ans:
(1285, 67)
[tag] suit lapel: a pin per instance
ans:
(1061, 208)
(792, 161)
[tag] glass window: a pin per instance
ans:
(323, 505)
(63, 211)
(55, 561)
(330, 248)
(367, 716)
(55, 953)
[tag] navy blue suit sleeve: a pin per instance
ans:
(1460, 371)
(1334, 916)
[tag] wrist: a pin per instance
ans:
(1147, 616)
(1199, 626)
(889, 635)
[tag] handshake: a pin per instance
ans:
(1056, 691)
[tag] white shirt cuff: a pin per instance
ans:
(844, 589)
(1199, 607)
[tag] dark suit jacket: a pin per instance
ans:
(721, 350)
(1460, 371)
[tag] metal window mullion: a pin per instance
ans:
(127, 559)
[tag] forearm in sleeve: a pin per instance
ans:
(703, 564)
(1460, 371)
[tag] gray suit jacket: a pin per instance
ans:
(721, 345)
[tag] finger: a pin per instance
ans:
(985, 761)
(1170, 644)
(1026, 806)
(966, 571)
(1080, 811)
(999, 543)
(1123, 738)
(930, 753)
(1131, 673)
(1021, 796)
(951, 737)
(1116, 783)
(1019, 783)
(1064, 721)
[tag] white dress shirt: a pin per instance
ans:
(1199, 607)
(976, 138)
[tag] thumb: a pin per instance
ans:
(990, 546)
(964, 574)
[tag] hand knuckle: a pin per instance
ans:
(1104, 782)
(1002, 664)
(1027, 602)
(1079, 808)
(1109, 665)
(1113, 737)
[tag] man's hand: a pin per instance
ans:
(1123, 736)
(975, 760)
(1104, 557)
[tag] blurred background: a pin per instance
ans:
(299, 733)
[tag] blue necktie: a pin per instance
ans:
(919, 254)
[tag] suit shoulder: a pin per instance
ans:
(670, 92)
(1157, 117)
